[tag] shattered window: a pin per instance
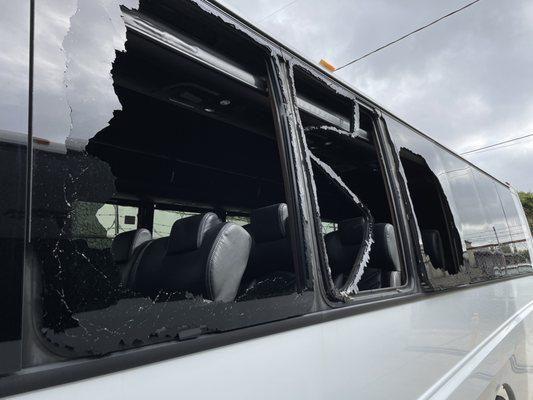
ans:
(461, 213)
(357, 227)
(138, 105)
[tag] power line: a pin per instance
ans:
(278, 10)
(408, 34)
(497, 144)
(496, 148)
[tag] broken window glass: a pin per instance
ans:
(434, 216)
(357, 227)
(463, 228)
(146, 152)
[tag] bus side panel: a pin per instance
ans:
(462, 344)
(502, 362)
(14, 81)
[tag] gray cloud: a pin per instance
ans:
(465, 81)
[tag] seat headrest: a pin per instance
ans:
(384, 252)
(351, 231)
(269, 223)
(433, 246)
(125, 243)
(188, 233)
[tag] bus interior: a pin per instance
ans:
(183, 196)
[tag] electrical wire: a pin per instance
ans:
(277, 11)
(408, 34)
(497, 144)
(494, 148)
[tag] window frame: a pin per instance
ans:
(410, 235)
(395, 199)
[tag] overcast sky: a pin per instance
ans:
(466, 81)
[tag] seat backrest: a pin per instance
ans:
(384, 255)
(124, 247)
(342, 247)
(433, 246)
(202, 256)
(271, 249)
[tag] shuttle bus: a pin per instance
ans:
(191, 209)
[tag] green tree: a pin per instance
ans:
(527, 202)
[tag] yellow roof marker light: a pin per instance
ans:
(327, 65)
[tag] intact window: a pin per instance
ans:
(516, 250)
(356, 223)
(461, 213)
(159, 207)
(14, 81)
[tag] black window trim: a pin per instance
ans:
(402, 206)
(383, 146)
(291, 162)
(65, 372)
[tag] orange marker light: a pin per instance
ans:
(327, 65)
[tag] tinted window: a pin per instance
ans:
(497, 232)
(517, 249)
(146, 157)
(14, 42)
(461, 216)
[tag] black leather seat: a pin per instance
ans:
(343, 246)
(384, 255)
(202, 256)
(123, 250)
(270, 270)
(433, 247)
